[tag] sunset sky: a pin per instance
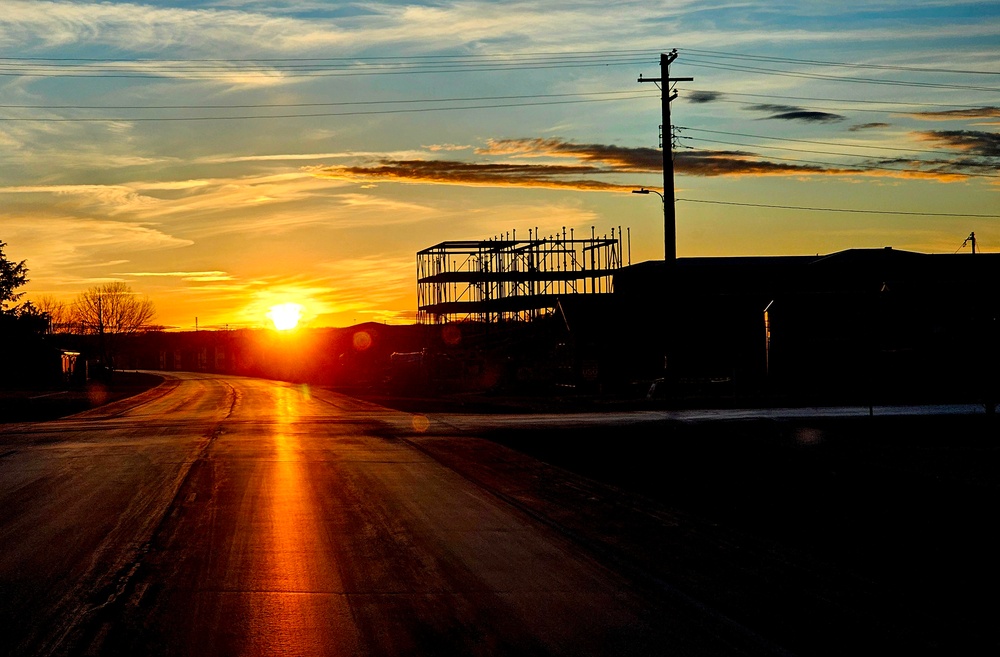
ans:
(223, 157)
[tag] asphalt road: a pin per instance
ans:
(229, 516)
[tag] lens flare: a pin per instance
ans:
(362, 341)
(285, 316)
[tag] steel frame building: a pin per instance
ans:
(511, 280)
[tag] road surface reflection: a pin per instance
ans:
(290, 617)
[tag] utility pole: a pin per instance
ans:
(970, 238)
(100, 328)
(666, 139)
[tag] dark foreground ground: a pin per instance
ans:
(840, 536)
(905, 507)
(37, 405)
(864, 535)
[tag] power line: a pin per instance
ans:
(315, 67)
(821, 143)
(179, 66)
(311, 115)
(815, 62)
(848, 210)
(785, 148)
(631, 93)
(577, 54)
(347, 73)
(804, 150)
(835, 100)
(763, 106)
(854, 168)
(834, 78)
(524, 56)
(424, 64)
(810, 107)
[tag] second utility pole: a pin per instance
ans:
(666, 137)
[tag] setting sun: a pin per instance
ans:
(285, 316)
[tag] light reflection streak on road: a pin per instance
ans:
(285, 622)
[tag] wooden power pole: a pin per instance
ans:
(666, 138)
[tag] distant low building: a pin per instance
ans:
(856, 324)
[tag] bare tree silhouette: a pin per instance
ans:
(59, 313)
(110, 311)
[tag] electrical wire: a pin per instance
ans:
(797, 150)
(814, 141)
(631, 92)
(854, 168)
(527, 56)
(804, 150)
(763, 107)
(571, 55)
(815, 62)
(311, 115)
(848, 210)
(348, 73)
(832, 100)
(311, 67)
(834, 78)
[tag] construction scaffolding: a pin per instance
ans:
(509, 280)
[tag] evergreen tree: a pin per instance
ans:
(12, 276)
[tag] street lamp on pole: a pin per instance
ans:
(669, 259)
(643, 190)
(663, 199)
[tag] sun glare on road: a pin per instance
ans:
(285, 316)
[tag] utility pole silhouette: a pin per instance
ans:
(666, 143)
(970, 238)
(667, 94)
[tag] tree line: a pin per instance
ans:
(108, 310)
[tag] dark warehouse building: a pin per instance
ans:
(858, 325)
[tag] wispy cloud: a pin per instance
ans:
(793, 113)
(618, 158)
(300, 157)
(740, 163)
(247, 29)
(149, 28)
(701, 97)
(191, 276)
(875, 125)
(988, 112)
(938, 170)
(593, 164)
(59, 249)
(442, 172)
(977, 143)
(435, 148)
(237, 29)
(112, 199)
(185, 200)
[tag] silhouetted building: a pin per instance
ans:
(857, 324)
(506, 279)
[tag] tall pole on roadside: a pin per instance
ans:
(666, 143)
